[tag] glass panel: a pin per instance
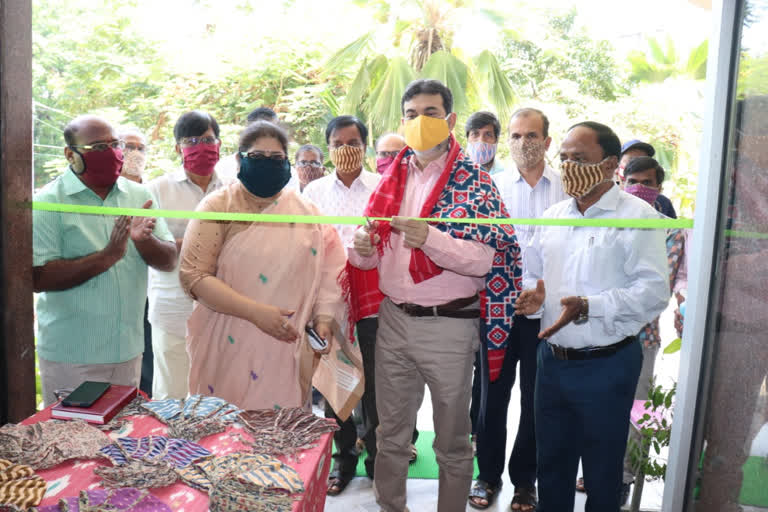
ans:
(733, 469)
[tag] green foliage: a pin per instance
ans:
(658, 64)
(655, 433)
(674, 346)
(562, 60)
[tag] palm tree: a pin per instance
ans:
(378, 80)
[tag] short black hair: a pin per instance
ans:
(431, 87)
(606, 138)
(261, 129)
(310, 147)
(262, 114)
(643, 163)
(481, 119)
(526, 111)
(194, 124)
(342, 122)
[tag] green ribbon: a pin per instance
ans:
(353, 220)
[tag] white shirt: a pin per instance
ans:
(169, 306)
(622, 272)
(526, 202)
(227, 169)
(334, 198)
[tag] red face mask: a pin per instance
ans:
(101, 168)
(201, 158)
(383, 163)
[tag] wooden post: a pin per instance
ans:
(17, 348)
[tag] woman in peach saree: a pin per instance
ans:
(257, 285)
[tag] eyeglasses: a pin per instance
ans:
(353, 144)
(101, 146)
(387, 154)
(263, 155)
(309, 163)
(130, 146)
(194, 141)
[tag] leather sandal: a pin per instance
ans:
(524, 499)
(337, 482)
(483, 491)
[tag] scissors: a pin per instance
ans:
(371, 230)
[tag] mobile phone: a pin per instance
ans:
(315, 341)
(86, 394)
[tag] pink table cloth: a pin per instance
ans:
(69, 478)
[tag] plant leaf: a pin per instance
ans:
(450, 70)
(674, 346)
(342, 59)
(383, 103)
(500, 92)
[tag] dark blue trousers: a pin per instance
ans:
(582, 412)
(492, 440)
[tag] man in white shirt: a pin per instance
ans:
(596, 288)
(169, 306)
(528, 189)
(345, 192)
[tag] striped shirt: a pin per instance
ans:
(526, 202)
(102, 320)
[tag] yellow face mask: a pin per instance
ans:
(424, 133)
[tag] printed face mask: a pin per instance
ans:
(647, 194)
(264, 177)
(101, 168)
(580, 178)
(308, 173)
(526, 153)
(134, 162)
(481, 152)
(383, 163)
(424, 132)
(200, 159)
(347, 159)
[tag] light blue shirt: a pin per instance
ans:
(622, 272)
(101, 320)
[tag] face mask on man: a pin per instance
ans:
(264, 177)
(580, 178)
(347, 159)
(309, 173)
(647, 194)
(134, 162)
(527, 153)
(481, 152)
(424, 133)
(200, 159)
(101, 168)
(382, 164)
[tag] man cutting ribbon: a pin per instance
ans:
(438, 279)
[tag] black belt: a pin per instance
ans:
(579, 354)
(453, 309)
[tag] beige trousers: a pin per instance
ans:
(170, 367)
(55, 375)
(412, 351)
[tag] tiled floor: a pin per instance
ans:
(422, 494)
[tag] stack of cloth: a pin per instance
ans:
(20, 487)
(194, 417)
(244, 481)
(284, 431)
(48, 443)
(101, 500)
(147, 462)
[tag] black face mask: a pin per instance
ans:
(264, 177)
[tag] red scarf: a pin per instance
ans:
(386, 201)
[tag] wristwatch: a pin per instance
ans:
(584, 313)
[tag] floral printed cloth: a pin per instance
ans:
(48, 443)
(98, 500)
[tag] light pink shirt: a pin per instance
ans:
(465, 263)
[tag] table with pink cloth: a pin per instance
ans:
(69, 478)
